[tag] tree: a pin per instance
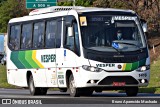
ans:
(148, 10)
(109, 3)
(102, 3)
(11, 9)
(85, 3)
(2, 1)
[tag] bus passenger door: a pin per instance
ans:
(67, 54)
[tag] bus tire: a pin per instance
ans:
(32, 88)
(132, 91)
(74, 92)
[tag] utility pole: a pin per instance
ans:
(74, 3)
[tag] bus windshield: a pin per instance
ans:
(111, 33)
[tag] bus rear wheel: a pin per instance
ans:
(36, 90)
(131, 91)
(74, 92)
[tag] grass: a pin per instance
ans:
(3, 78)
(154, 84)
(153, 87)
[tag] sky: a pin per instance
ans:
(1, 43)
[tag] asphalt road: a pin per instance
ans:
(24, 93)
(56, 97)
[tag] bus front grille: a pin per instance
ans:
(126, 59)
(129, 80)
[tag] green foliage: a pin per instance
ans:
(7, 11)
(2, 1)
(10, 9)
(85, 3)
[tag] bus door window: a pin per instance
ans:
(50, 34)
(38, 36)
(72, 42)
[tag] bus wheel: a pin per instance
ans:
(74, 92)
(132, 91)
(32, 88)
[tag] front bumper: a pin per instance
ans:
(107, 79)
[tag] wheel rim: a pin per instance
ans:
(72, 86)
(32, 86)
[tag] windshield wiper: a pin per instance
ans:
(115, 49)
(119, 52)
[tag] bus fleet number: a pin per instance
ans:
(143, 75)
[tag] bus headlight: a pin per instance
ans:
(92, 69)
(143, 68)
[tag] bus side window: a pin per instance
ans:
(58, 34)
(14, 40)
(26, 36)
(50, 34)
(69, 41)
(38, 35)
(72, 42)
(76, 34)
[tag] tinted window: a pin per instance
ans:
(50, 34)
(26, 38)
(58, 36)
(69, 40)
(14, 39)
(38, 36)
(76, 34)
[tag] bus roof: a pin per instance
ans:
(60, 11)
(77, 8)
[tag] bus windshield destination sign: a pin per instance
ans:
(33, 4)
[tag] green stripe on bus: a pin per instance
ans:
(128, 66)
(135, 65)
(15, 60)
(29, 59)
(21, 57)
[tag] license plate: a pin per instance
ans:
(119, 83)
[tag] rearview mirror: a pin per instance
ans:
(70, 31)
(144, 25)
